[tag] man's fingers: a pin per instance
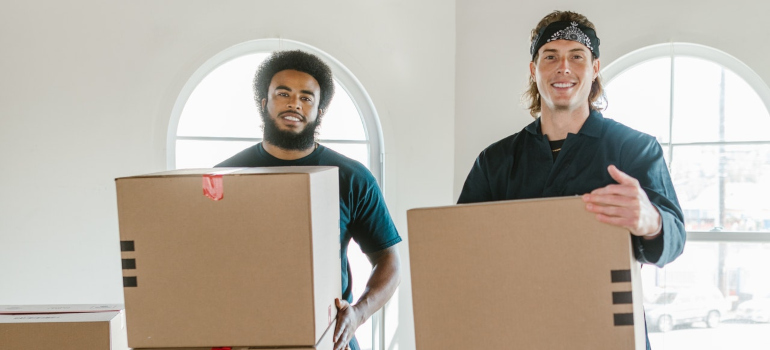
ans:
(621, 177)
(611, 200)
(342, 341)
(623, 190)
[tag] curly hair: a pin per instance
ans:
(295, 60)
(596, 97)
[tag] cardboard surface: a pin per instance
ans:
(325, 343)
(260, 267)
(61, 331)
(529, 274)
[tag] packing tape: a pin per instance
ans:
(213, 184)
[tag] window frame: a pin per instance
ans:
(671, 50)
(345, 78)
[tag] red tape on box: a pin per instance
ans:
(227, 348)
(213, 187)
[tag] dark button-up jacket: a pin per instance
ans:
(521, 166)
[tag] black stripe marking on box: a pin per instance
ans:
(619, 276)
(622, 298)
(129, 282)
(126, 246)
(624, 319)
(128, 264)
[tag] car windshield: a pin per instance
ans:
(665, 298)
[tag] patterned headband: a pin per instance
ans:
(566, 30)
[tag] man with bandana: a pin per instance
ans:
(570, 149)
(293, 90)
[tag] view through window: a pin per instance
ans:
(713, 128)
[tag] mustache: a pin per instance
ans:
(292, 112)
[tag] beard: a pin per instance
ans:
(286, 139)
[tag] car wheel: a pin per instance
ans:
(712, 320)
(665, 323)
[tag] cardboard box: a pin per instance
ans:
(326, 343)
(528, 274)
(26, 328)
(258, 265)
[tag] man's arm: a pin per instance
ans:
(385, 277)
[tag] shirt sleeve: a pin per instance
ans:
(371, 225)
(477, 187)
(649, 167)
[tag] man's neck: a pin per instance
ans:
(284, 154)
(558, 124)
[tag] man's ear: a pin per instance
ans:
(532, 67)
(264, 102)
(320, 112)
(597, 66)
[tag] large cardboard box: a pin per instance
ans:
(230, 257)
(528, 274)
(61, 327)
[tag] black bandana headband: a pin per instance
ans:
(566, 30)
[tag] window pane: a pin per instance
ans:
(639, 97)
(360, 270)
(746, 118)
(710, 298)
(359, 152)
(696, 100)
(223, 103)
(745, 171)
(342, 120)
(206, 154)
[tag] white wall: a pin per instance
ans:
(88, 86)
(493, 52)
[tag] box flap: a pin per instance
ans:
(235, 171)
(59, 317)
(65, 308)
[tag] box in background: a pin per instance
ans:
(526, 274)
(66, 327)
(230, 257)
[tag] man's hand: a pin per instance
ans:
(348, 320)
(382, 283)
(625, 205)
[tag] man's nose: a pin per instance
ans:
(294, 103)
(564, 66)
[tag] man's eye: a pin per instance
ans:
(308, 99)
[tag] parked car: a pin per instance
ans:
(757, 309)
(685, 306)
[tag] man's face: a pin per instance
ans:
(290, 111)
(564, 72)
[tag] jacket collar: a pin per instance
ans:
(591, 127)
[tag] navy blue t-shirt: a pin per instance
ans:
(364, 216)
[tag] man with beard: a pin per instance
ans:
(293, 90)
(571, 149)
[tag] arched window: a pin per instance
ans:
(215, 116)
(710, 114)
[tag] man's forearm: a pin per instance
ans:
(382, 283)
